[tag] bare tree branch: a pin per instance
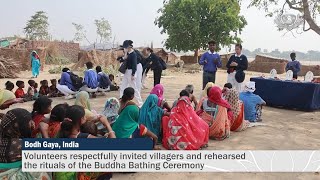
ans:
(291, 5)
(308, 18)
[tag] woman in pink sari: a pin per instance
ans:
(214, 111)
(237, 107)
(159, 91)
(184, 129)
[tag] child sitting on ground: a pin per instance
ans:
(20, 92)
(41, 107)
(54, 92)
(193, 99)
(113, 86)
(9, 86)
(44, 89)
(182, 93)
(90, 128)
(32, 92)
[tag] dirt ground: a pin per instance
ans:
(284, 129)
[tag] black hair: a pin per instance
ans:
(292, 55)
(19, 83)
(150, 50)
(41, 105)
(184, 93)
(98, 69)
(53, 81)
(58, 113)
(43, 82)
(74, 115)
(212, 42)
(189, 88)
(65, 69)
(23, 117)
(89, 65)
(31, 82)
(35, 85)
(9, 85)
(228, 85)
(111, 76)
(89, 127)
(239, 45)
(128, 94)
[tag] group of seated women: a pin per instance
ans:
(183, 127)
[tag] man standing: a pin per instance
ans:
(294, 66)
(211, 62)
(236, 65)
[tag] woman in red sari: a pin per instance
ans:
(184, 129)
(237, 107)
(217, 113)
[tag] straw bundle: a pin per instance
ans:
(9, 68)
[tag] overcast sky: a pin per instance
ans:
(134, 19)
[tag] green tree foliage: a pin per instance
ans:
(309, 9)
(37, 27)
(190, 24)
(103, 30)
(80, 33)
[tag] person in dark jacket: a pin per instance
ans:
(237, 62)
(153, 63)
(103, 80)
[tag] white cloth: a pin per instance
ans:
(89, 90)
(250, 86)
(144, 78)
(139, 76)
(104, 90)
(232, 79)
(65, 90)
(128, 82)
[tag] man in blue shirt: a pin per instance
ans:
(211, 62)
(90, 80)
(294, 66)
(65, 86)
(103, 79)
(252, 103)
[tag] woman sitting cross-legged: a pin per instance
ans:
(184, 129)
(82, 99)
(151, 115)
(15, 125)
(237, 107)
(214, 111)
(126, 125)
(159, 91)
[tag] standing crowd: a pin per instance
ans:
(187, 124)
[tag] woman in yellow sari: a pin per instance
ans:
(214, 110)
(237, 107)
(7, 98)
(82, 99)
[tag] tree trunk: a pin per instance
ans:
(196, 55)
(308, 18)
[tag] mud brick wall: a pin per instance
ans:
(22, 55)
(314, 69)
(65, 49)
(265, 64)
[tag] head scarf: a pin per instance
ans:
(232, 96)
(250, 86)
(151, 114)
(13, 127)
(127, 122)
(6, 95)
(158, 90)
(111, 108)
(215, 96)
(82, 99)
(209, 85)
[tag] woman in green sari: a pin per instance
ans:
(16, 125)
(127, 126)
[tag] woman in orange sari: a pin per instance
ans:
(214, 111)
(184, 129)
(237, 107)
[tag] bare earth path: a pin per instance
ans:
(284, 130)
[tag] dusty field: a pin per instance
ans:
(284, 130)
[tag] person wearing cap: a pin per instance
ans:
(294, 66)
(236, 65)
(211, 61)
(252, 103)
(133, 75)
